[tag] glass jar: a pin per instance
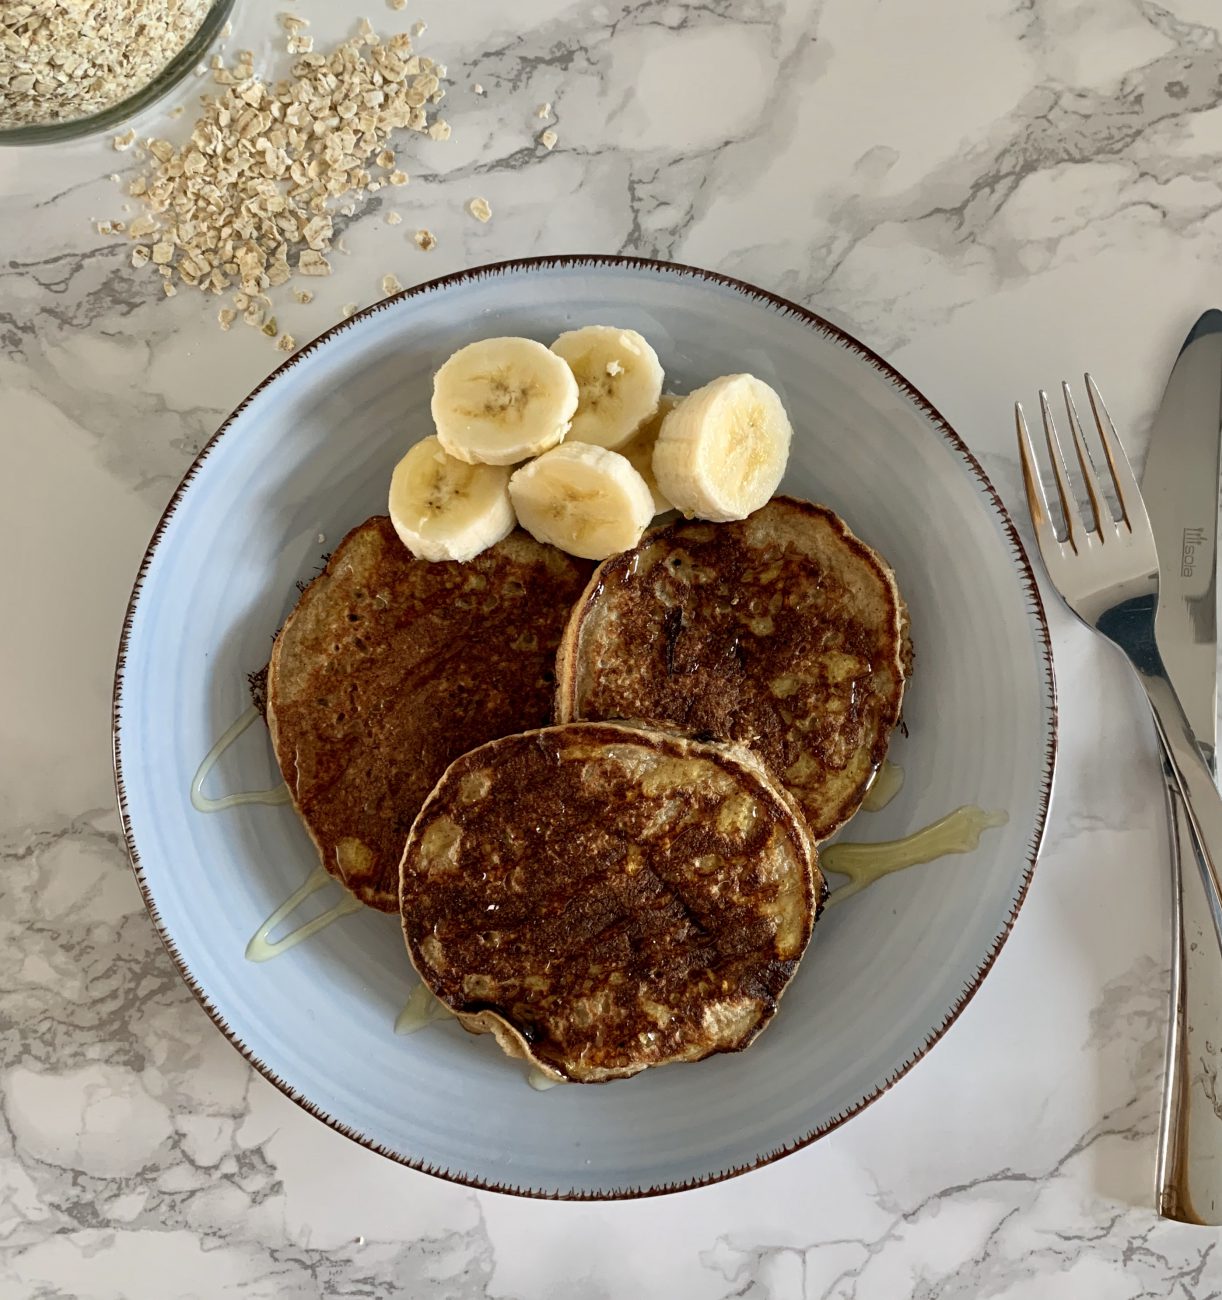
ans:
(69, 68)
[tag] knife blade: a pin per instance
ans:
(1180, 489)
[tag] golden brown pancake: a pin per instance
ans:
(605, 897)
(390, 667)
(783, 632)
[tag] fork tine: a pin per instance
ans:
(1093, 492)
(1060, 470)
(1037, 502)
(1127, 491)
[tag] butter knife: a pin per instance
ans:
(1180, 489)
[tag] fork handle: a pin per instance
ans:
(1202, 802)
(1189, 1169)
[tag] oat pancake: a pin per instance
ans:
(605, 897)
(783, 632)
(390, 667)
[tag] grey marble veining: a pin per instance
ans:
(994, 195)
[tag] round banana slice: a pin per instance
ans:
(722, 451)
(620, 380)
(638, 450)
(444, 509)
(586, 500)
(499, 401)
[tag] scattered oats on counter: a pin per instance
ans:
(125, 141)
(544, 110)
(393, 218)
(549, 139)
(247, 202)
(426, 240)
(225, 317)
(61, 60)
(348, 309)
(286, 343)
(390, 284)
(480, 209)
(477, 89)
(303, 296)
(397, 4)
(419, 27)
(440, 130)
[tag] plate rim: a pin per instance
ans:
(571, 262)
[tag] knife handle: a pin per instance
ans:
(1202, 802)
(1189, 1168)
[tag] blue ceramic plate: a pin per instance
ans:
(307, 456)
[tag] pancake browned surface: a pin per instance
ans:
(390, 667)
(783, 632)
(605, 897)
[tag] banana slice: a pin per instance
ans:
(620, 379)
(586, 500)
(638, 450)
(444, 509)
(722, 451)
(498, 401)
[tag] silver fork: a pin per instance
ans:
(1106, 571)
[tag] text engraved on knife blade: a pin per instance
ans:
(1193, 541)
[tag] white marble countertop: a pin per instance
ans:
(995, 196)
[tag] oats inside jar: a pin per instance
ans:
(61, 60)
